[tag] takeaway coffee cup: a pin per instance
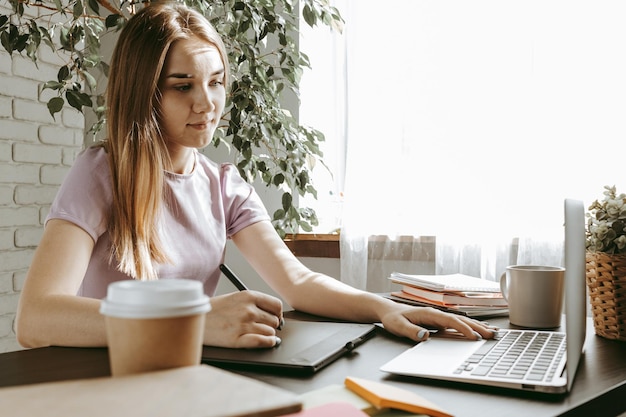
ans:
(534, 294)
(153, 325)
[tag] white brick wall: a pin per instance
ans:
(36, 152)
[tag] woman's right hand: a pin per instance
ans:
(244, 319)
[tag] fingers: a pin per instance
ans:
(484, 328)
(468, 327)
(256, 335)
(422, 334)
(404, 325)
(270, 305)
(254, 340)
(419, 323)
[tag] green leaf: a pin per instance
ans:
(77, 99)
(306, 227)
(76, 35)
(20, 42)
(47, 38)
(278, 179)
(294, 214)
(13, 36)
(91, 81)
(303, 178)
(93, 5)
(53, 85)
(55, 105)
(78, 9)
(309, 15)
(64, 38)
(92, 61)
(113, 20)
(287, 201)
(31, 51)
(279, 214)
(6, 42)
(63, 74)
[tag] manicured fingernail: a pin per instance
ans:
(422, 333)
(281, 324)
(278, 341)
(478, 336)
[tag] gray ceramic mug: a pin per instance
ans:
(534, 294)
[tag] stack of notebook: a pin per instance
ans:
(455, 293)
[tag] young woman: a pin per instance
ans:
(145, 204)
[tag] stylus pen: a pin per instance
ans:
(233, 278)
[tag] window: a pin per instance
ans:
(469, 119)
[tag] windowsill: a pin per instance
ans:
(312, 245)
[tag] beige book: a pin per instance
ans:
(193, 391)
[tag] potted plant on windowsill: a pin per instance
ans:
(261, 37)
(606, 264)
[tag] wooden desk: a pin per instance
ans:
(599, 388)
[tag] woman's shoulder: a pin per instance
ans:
(90, 171)
(92, 158)
(85, 196)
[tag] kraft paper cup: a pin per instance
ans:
(154, 325)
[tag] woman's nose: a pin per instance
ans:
(202, 101)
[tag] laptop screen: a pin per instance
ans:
(575, 289)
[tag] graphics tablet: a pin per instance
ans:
(307, 347)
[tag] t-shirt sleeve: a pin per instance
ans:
(85, 196)
(242, 205)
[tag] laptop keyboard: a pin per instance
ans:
(526, 355)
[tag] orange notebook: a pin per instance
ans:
(457, 298)
(387, 396)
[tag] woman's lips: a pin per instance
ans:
(200, 125)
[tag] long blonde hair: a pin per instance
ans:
(135, 144)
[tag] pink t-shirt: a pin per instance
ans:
(201, 211)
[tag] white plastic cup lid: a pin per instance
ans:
(155, 299)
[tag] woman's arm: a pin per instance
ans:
(319, 294)
(49, 311)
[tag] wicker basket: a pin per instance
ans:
(606, 280)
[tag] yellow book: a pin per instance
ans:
(387, 396)
(340, 393)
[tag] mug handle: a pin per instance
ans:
(504, 288)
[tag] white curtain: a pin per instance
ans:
(470, 122)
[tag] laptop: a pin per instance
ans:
(306, 347)
(554, 369)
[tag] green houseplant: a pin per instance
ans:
(261, 37)
(606, 263)
(606, 223)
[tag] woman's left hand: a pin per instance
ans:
(415, 322)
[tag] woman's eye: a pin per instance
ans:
(185, 87)
(216, 83)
